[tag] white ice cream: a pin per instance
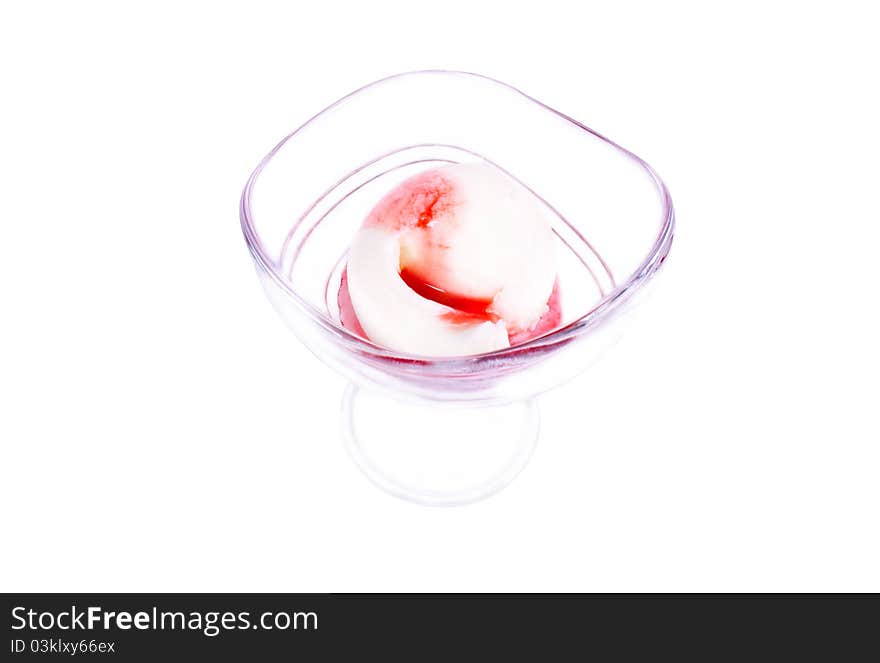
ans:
(485, 238)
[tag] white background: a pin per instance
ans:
(162, 430)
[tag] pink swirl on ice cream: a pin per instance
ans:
(456, 260)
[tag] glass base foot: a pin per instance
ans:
(438, 455)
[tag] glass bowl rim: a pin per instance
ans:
(655, 257)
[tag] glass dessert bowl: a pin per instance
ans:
(451, 430)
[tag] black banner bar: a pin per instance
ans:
(151, 627)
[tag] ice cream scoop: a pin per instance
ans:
(455, 260)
